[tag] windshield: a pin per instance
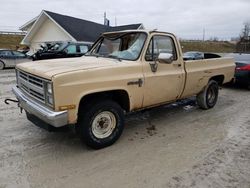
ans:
(126, 46)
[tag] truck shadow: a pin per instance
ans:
(236, 86)
(67, 137)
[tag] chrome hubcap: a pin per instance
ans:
(103, 124)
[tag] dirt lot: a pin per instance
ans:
(176, 145)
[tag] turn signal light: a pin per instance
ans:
(67, 107)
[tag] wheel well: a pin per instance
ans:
(119, 96)
(219, 79)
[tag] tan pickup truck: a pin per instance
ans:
(124, 71)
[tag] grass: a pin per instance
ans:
(10, 41)
(208, 46)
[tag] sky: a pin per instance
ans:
(187, 19)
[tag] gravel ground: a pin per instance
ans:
(177, 145)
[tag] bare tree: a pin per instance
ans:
(246, 31)
(243, 46)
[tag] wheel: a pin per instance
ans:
(100, 123)
(208, 97)
(1, 65)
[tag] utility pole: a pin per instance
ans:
(204, 32)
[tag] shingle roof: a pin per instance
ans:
(83, 30)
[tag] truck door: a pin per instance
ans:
(167, 82)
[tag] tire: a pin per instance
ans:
(208, 97)
(100, 123)
(1, 65)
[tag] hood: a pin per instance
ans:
(52, 67)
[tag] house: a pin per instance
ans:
(53, 27)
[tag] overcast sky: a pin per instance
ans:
(187, 19)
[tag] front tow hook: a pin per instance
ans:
(12, 100)
(6, 101)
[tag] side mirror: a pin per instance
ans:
(165, 58)
(153, 65)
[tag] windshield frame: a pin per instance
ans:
(119, 35)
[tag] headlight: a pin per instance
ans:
(50, 100)
(49, 94)
(49, 88)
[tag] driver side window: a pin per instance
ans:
(160, 44)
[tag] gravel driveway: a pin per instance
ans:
(177, 145)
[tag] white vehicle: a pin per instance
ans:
(9, 58)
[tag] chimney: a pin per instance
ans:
(106, 21)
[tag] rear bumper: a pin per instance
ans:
(46, 115)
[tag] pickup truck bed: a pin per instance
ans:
(198, 72)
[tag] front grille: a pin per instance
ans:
(32, 85)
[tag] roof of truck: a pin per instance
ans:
(137, 31)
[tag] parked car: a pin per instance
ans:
(242, 69)
(9, 58)
(62, 50)
(192, 55)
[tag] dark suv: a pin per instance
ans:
(62, 50)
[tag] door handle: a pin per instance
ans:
(139, 82)
(177, 64)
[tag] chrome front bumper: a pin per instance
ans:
(56, 119)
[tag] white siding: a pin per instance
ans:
(48, 31)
